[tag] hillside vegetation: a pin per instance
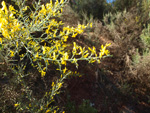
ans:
(77, 56)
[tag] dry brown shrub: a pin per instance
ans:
(125, 31)
(141, 70)
(69, 17)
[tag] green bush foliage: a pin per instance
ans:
(145, 37)
(144, 9)
(123, 26)
(97, 8)
(141, 60)
(121, 5)
(32, 40)
(84, 107)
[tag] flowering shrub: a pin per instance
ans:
(18, 29)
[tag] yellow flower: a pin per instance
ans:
(81, 50)
(43, 73)
(74, 35)
(5, 33)
(54, 35)
(86, 55)
(74, 48)
(62, 1)
(64, 70)
(16, 105)
(59, 85)
(107, 52)
(65, 38)
(63, 61)
(53, 84)
(4, 7)
(37, 55)
(54, 56)
(92, 50)
(1, 40)
(12, 53)
(17, 43)
(25, 8)
(65, 56)
(11, 8)
(47, 111)
(43, 10)
(30, 105)
(90, 24)
(74, 61)
(108, 44)
(61, 10)
(43, 49)
(56, 3)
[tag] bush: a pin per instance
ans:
(141, 61)
(124, 26)
(125, 29)
(121, 5)
(33, 43)
(144, 10)
(97, 8)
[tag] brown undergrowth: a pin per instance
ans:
(112, 86)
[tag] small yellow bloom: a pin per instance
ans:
(47, 111)
(62, 1)
(4, 7)
(74, 61)
(108, 44)
(61, 10)
(90, 24)
(63, 61)
(25, 8)
(43, 50)
(74, 35)
(37, 55)
(30, 105)
(65, 56)
(86, 55)
(54, 56)
(92, 50)
(75, 47)
(11, 8)
(43, 73)
(59, 85)
(65, 38)
(16, 105)
(1, 40)
(53, 84)
(56, 3)
(17, 43)
(64, 70)
(12, 53)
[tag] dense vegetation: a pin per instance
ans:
(99, 65)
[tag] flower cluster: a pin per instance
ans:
(51, 46)
(8, 24)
